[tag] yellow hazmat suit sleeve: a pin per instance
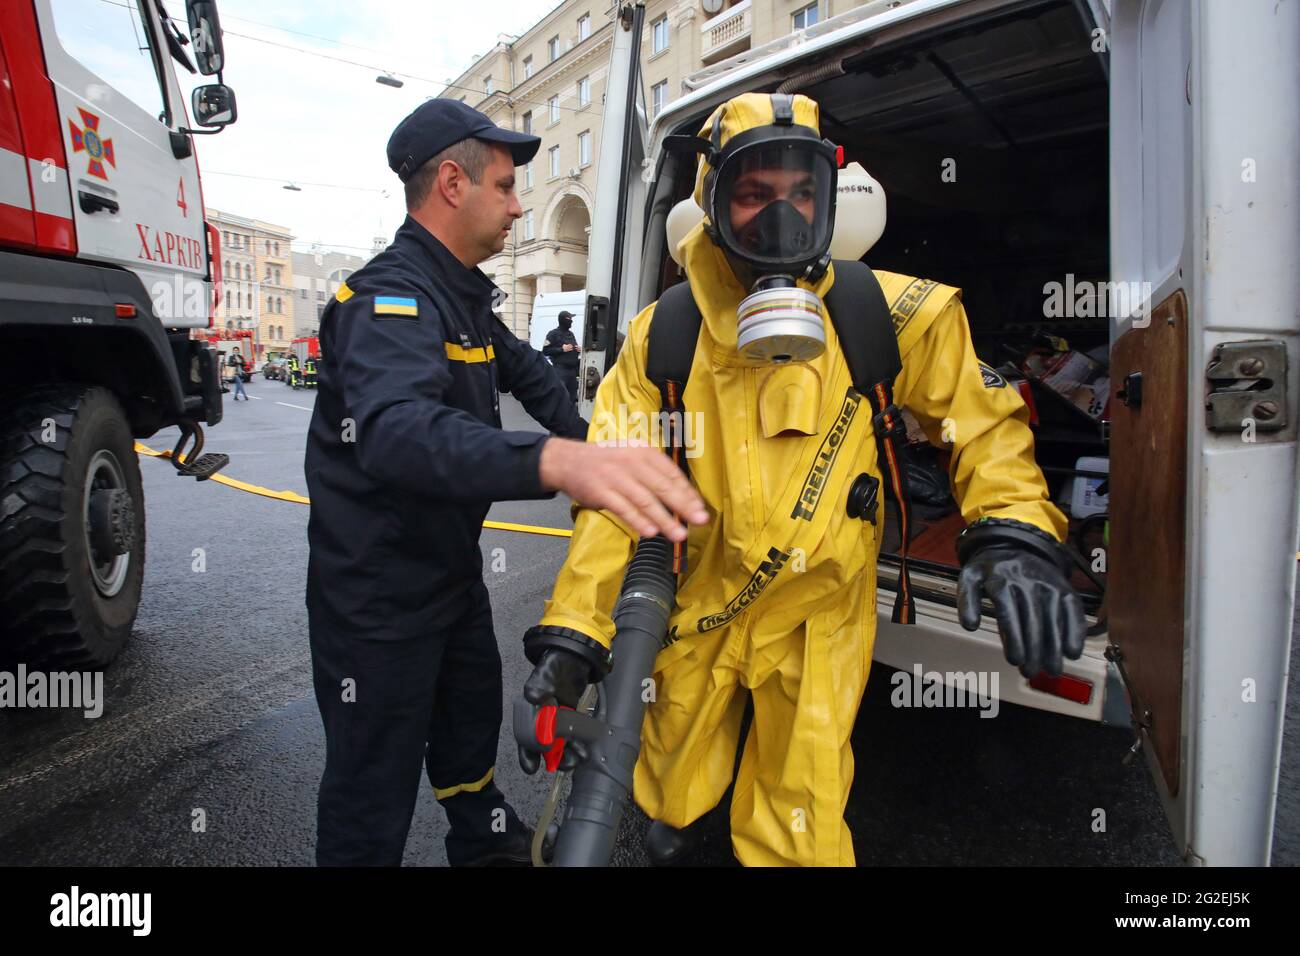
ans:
(626, 407)
(970, 409)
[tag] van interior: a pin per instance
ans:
(990, 140)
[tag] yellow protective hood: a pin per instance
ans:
(746, 112)
(716, 289)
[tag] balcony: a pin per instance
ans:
(728, 33)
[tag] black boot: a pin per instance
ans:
(477, 837)
(668, 846)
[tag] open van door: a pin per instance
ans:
(611, 286)
(1203, 497)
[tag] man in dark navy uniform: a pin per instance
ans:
(405, 455)
(562, 349)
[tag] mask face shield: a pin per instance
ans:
(774, 203)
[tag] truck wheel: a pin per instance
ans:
(72, 530)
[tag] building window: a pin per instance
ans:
(528, 122)
(227, 300)
(584, 91)
(555, 161)
(270, 303)
(268, 247)
(277, 248)
(658, 97)
(528, 226)
(528, 175)
(584, 148)
(487, 85)
(805, 17)
(553, 49)
(553, 104)
(250, 302)
(584, 27)
(659, 35)
(528, 67)
(279, 306)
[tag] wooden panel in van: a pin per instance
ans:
(1148, 534)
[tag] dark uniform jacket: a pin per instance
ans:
(405, 452)
(556, 339)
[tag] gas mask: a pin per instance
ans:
(770, 199)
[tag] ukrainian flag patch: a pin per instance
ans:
(391, 305)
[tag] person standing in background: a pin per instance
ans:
(563, 351)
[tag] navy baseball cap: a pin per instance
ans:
(438, 123)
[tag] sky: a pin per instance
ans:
(305, 119)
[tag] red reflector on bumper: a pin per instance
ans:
(1071, 688)
(125, 311)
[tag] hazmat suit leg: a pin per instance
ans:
(690, 734)
(797, 767)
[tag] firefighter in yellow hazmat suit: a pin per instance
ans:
(779, 597)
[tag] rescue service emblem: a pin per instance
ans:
(86, 139)
(991, 378)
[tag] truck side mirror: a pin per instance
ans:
(213, 105)
(205, 35)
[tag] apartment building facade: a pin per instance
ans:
(551, 82)
(317, 275)
(256, 280)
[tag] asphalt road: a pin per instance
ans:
(210, 709)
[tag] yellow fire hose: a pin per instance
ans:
(301, 500)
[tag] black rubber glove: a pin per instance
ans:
(1023, 572)
(560, 677)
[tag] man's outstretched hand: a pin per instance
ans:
(640, 485)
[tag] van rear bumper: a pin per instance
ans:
(937, 642)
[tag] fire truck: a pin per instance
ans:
(107, 266)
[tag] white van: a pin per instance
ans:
(1023, 143)
(547, 307)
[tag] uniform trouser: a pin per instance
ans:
(797, 765)
(570, 383)
(387, 705)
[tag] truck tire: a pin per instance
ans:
(72, 529)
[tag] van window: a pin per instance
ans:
(112, 41)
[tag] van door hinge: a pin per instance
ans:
(1141, 717)
(1247, 383)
